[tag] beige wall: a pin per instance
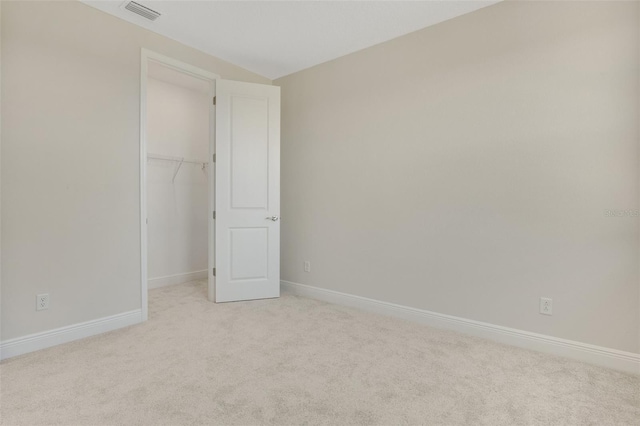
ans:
(466, 169)
(70, 160)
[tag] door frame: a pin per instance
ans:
(146, 56)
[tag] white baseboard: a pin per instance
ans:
(627, 362)
(46, 339)
(176, 279)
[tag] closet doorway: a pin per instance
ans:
(177, 176)
(209, 182)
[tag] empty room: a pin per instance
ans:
(320, 212)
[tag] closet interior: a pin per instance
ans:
(177, 176)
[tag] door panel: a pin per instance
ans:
(247, 229)
(249, 153)
(249, 253)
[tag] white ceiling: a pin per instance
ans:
(277, 38)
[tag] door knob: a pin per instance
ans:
(273, 218)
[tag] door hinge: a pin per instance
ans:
(214, 100)
(214, 214)
(214, 272)
(214, 158)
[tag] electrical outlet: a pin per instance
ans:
(42, 302)
(546, 306)
(307, 266)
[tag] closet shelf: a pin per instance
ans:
(178, 160)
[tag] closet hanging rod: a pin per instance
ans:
(177, 159)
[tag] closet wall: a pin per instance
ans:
(178, 126)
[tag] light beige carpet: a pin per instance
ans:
(296, 361)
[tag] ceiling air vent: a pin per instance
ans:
(141, 10)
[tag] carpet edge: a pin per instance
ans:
(627, 362)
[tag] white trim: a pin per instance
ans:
(0, 163)
(145, 56)
(46, 339)
(627, 362)
(179, 65)
(211, 242)
(144, 292)
(176, 279)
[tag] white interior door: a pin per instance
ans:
(247, 188)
